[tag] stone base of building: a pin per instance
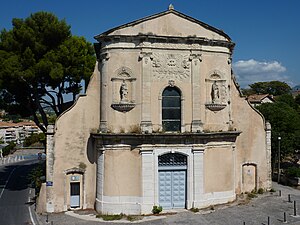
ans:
(134, 205)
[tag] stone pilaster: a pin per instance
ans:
(100, 179)
(147, 178)
(195, 59)
(146, 123)
(198, 162)
(49, 168)
(268, 154)
(104, 92)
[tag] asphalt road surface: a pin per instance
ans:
(15, 194)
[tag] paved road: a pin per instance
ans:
(15, 194)
(255, 212)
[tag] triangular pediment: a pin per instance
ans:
(170, 24)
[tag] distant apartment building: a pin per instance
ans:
(17, 132)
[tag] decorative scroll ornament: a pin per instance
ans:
(171, 66)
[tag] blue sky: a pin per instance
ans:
(266, 32)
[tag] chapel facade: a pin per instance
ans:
(162, 123)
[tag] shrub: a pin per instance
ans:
(156, 209)
(8, 149)
(293, 171)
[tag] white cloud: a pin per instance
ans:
(251, 71)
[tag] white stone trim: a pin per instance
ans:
(215, 198)
(198, 174)
(130, 205)
(148, 175)
(100, 178)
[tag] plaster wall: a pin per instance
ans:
(122, 173)
(74, 149)
(218, 169)
(251, 145)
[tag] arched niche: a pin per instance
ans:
(217, 91)
(123, 90)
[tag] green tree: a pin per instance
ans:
(285, 122)
(271, 87)
(288, 99)
(40, 63)
(34, 139)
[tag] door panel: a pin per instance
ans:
(165, 189)
(178, 184)
(172, 189)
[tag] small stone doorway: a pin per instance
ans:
(75, 194)
(249, 177)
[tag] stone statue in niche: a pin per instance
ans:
(124, 92)
(215, 92)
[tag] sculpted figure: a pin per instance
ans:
(124, 92)
(215, 92)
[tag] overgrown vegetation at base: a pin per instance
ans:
(260, 191)
(131, 218)
(110, 217)
(195, 210)
(251, 194)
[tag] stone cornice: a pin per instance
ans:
(165, 39)
(165, 138)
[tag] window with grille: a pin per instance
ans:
(172, 159)
(171, 109)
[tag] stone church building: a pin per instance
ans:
(162, 123)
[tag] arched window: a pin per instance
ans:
(171, 109)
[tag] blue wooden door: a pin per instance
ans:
(172, 189)
(172, 180)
